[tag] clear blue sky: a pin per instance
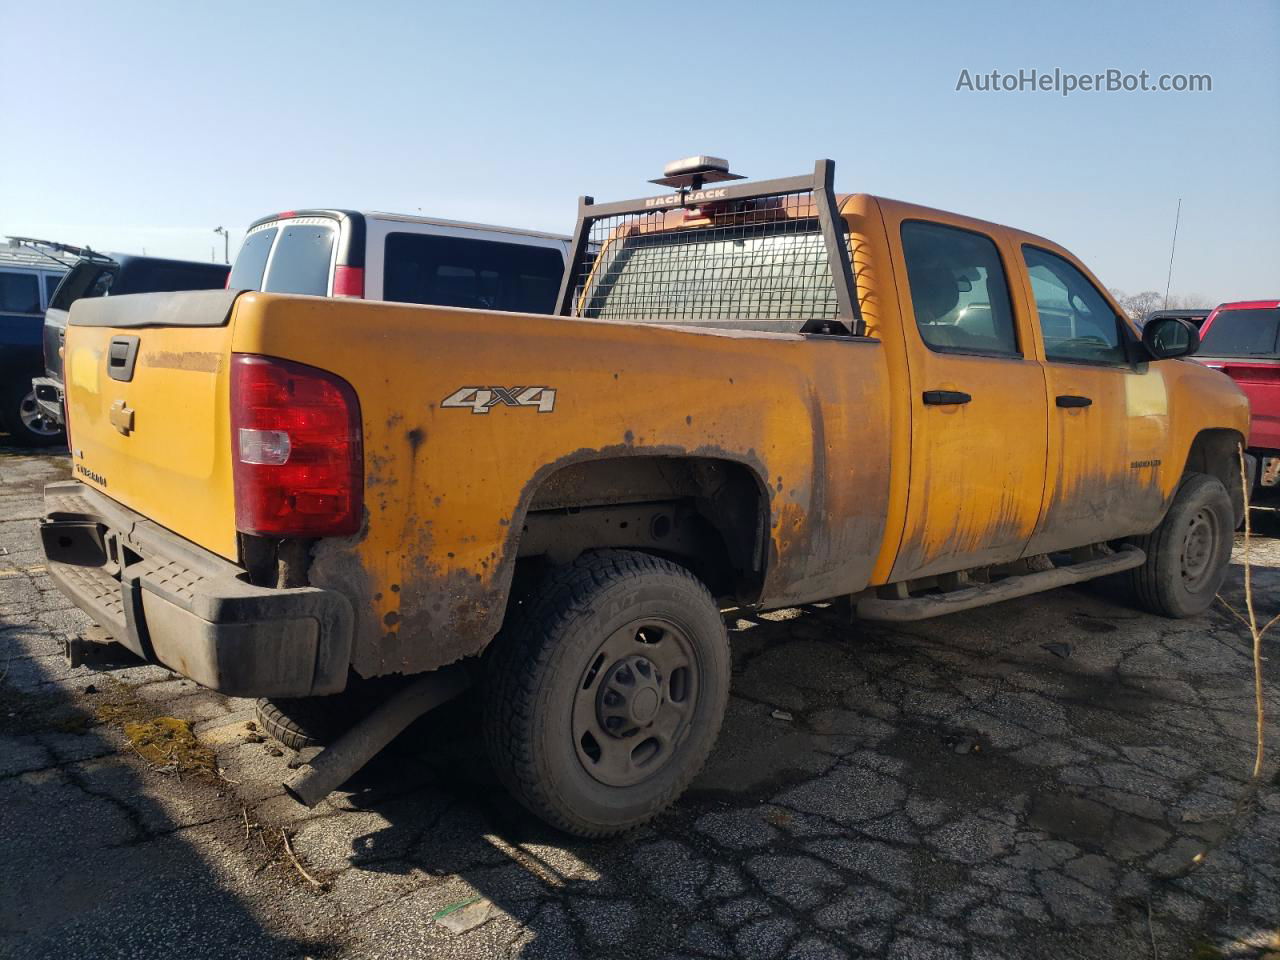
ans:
(131, 125)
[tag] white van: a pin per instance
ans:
(387, 256)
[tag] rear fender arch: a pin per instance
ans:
(720, 504)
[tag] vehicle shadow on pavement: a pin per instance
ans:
(1027, 780)
(100, 855)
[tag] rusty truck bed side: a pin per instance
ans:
(447, 489)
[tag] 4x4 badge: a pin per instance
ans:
(484, 399)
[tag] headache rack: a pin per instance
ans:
(768, 255)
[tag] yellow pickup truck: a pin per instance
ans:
(754, 395)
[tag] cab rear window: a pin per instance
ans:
(773, 276)
(1243, 333)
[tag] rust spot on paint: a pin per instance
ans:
(195, 361)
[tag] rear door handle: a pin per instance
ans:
(944, 398)
(1070, 400)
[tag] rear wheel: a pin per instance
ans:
(605, 691)
(24, 419)
(1188, 554)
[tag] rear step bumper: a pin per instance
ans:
(176, 604)
(935, 605)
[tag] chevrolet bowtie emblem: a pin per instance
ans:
(122, 417)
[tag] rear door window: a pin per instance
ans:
(1243, 333)
(51, 281)
(301, 260)
(463, 272)
(19, 293)
(958, 290)
(251, 261)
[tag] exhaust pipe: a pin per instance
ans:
(336, 764)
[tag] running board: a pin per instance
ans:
(936, 605)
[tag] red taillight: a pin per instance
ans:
(296, 448)
(348, 282)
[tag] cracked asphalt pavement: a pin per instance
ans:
(1058, 776)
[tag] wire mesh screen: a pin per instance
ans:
(759, 264)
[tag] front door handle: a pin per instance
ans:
(944, 398)
(1070, 400)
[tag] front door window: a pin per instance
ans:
(1076, 320)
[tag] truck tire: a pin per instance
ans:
(605, 690)
(1188, 554)
(302, 722)
(22, 418)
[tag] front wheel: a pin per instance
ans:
(1188, 554)
(605, 691)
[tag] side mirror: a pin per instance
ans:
(1168, 337)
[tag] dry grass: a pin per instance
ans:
(1256, 633)
(166, 743)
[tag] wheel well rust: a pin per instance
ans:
(708, 514)
(1215, 451)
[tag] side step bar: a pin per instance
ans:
(938, 604)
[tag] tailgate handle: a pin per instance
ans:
(121, 357)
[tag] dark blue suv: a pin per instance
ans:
(102, 275)
(28, 279)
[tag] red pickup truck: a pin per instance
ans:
(1243, 341)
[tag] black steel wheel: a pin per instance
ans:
(635, 702)
(1199, 548)
(605, 691)
(1188, 554)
